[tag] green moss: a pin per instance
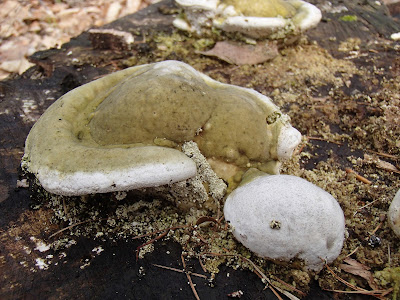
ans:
(167, 43)
(390, 276)
(202, 44)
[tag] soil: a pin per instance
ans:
(30, 26)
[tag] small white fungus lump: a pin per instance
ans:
(394, 214)
(282, 217)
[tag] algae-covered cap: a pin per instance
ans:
(125, 131)
(68, 163)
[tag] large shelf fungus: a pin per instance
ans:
(126, 131)
(259, 19)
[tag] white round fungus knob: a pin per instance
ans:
(282, 217)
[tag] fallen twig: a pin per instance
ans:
(289, 286)
(375, 293)
(202, 265)
(73, 225)
(204, 219)
(160, 230)
(323, 140)
(366, 205)
(179, 271)
(382, 219)
(354, 267)
(352, 252)
(150, 242)
(358, 176)
(344, 281)
(190, 279)
(384, 154)
(300, 149)
(260, 274)
(201, 238)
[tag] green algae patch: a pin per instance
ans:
(348, 18)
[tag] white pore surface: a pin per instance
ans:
(256, 27)
(125, 179)
(311, 221)
(395, 36)
(394, 214)
(308, 15)
(289, 138)
(200, 13)
(198, 4)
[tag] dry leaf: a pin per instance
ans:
(132, 6)
(380, 163)
(356, 268)
(239, 54)
(113, 11)
(16, 66)
(387, 166)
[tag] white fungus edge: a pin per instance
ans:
(227, 19)
(147, 175)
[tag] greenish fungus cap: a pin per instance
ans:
(262, 8)
(259, 19)
(125, 130)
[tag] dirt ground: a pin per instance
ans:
(30, 26)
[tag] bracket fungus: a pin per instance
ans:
(259, 19)
(283, 217)
(126, 130)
